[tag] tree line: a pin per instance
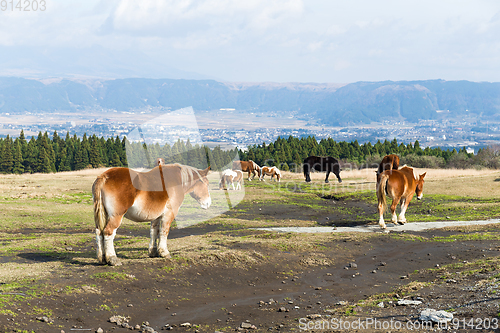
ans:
(47, 154)
(288, 154)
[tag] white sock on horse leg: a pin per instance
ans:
(100, 244)
(109, 249)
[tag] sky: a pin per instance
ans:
(320, 41)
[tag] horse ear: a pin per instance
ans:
(204, 173)
(423, 175)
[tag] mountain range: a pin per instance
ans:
(330, 104)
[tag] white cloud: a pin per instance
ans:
(261, 40)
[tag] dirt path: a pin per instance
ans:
(219, 297)
(414, 226)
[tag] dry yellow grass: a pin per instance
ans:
(464, 182)
(48, 184)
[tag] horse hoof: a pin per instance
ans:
(165, 255)
(113, 261)
(327, 181)
(153, 253)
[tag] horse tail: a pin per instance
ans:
(381, 190)
(100, 214)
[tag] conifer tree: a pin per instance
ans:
(43, 162)
(18, 159)
(7, 159)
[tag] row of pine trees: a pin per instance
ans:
(54, 154)
(47, 154)
(289, 153)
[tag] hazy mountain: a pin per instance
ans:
(360, 102)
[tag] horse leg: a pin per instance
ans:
(327, 174)
(100, 246)
(381, 222)
(404, 206)
(394, 218)
(109, 236)
(166, 222)
(153, 233)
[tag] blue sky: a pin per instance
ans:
(255, 40)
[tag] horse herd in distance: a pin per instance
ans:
(140, 197)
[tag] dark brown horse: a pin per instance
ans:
(400, 185)
(321, 163)
(389, 162)
(154, 196)
(247, 166)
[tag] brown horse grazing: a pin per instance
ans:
(321, 163)
(389, 162)
(231, 177)
(247, 166)
(150, 196)
(400, 185)
(270, 171)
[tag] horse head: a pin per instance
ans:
(420, 186)
(200, 190)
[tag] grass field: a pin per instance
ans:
(47, 228)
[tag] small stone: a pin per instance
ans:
(314, 316)
(137, 327)
(451, 281)
(100, 330)
(380, 305)
(341, 303)
(318, 288)
(382, 264)
(408, 302)
(437, 265)
(282, 309)
(174, 314)
(453, 257)
(328, 274)
(245, 325)
(353, 265)
(130, 305)
(436, 316)
(374, 271)
(185, 325)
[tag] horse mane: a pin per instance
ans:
(188, 173)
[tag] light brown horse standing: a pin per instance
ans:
(400, 185)
(247, 166)
(389, 162)
(270, 171)
(150, 196)
(230, 177)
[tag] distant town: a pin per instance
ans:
(244, 131)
